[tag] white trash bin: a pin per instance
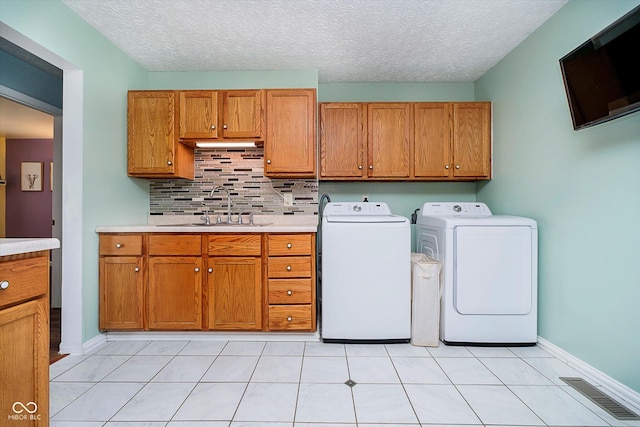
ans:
(425, 301)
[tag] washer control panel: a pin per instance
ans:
(356, 208)
(464, 209)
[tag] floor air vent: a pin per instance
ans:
(602, 400)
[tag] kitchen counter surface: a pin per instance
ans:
(20, 246)
(184, 224)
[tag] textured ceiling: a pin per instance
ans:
(345, 40)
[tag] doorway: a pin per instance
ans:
(29, 211)
(68, 227)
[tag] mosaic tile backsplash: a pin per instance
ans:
(241, 171)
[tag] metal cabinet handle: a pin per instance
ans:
(210, 270)
(136, 269)
(213, 127)
(196, 269)
(288, 268)
(169, 163)
(119, 245)
(289, 245)
(446, 166)
(4, 284)
(289, 292)
(360, 167)
(289, 319)
(370, 166)
(457, 166)
(224, 126)
(268, 162)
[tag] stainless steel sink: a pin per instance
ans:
(202, 224)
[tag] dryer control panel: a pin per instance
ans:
(463, 209)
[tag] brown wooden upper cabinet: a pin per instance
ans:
(405, 141)
(291, 133)
(388, 148)
(220, 115)
(342, 140)
(153, 148)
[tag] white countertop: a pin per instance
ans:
(24, 245)
(184, 224)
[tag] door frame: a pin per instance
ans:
(71, 189)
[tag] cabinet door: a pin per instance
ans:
(472, 139)
(341, 140)
(242, 111)
(175, 293)
(153, 150)
(199, 114)
(24, 361)
(431, 140)
(291, 131)
(121, 293)
(151, 131)
(235, 293)
(388, 140)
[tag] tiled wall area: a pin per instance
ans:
(242, 172)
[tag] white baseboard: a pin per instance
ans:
(93, 344)
(596, 377)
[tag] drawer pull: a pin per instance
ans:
(288, 268)
(119, 245)
(4, 284)
(289, 245)
(196, 269)
(210, 270)
(289, 319)
(136, 269)
(289, 292)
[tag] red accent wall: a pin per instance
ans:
(28, 212)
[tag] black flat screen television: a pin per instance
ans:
(602, 75)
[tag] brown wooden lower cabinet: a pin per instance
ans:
(174, 296)
(24, 340)
(235, 293)
(212, 281)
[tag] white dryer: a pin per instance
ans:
(489, 272)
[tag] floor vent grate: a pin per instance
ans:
(602, 400)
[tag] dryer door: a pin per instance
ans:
(493, 270)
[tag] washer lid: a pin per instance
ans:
(365, 218)
(369, 212)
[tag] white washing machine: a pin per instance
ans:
(489, 272)
(366, 274)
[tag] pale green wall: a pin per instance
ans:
(233, 80)
(109, 196)
(582, 187)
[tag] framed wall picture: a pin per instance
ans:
(31, 176)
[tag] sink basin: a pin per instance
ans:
(225, 224)
(202, 224)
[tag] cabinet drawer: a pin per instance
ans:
(289, 266)
(175, 244)
(290, 291)
(26, 278)
(235, 244)
(120, 244)
(290, 244)
(289, 317)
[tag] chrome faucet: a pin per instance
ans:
(228, 200)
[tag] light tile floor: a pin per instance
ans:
(302, 384)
